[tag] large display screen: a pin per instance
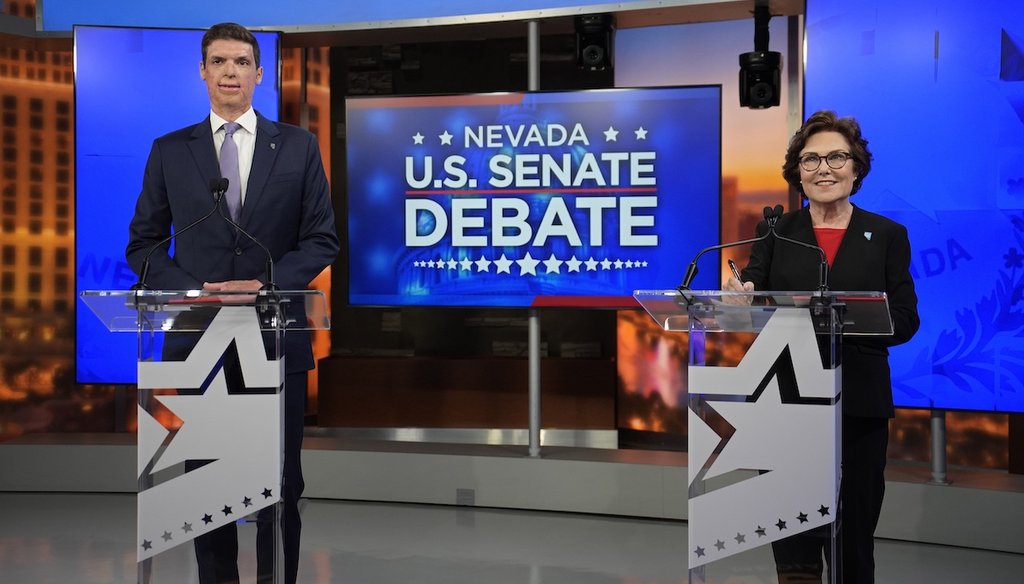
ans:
(940, 95)
(131, 86)
(531, 199)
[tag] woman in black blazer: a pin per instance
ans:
(826, 162)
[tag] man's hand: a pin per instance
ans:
(234, 286)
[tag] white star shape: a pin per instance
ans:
(643, 264)
(606, 264)
(527, 265)
(452, 264)
(466, 264)
(430, 264)
(553, 264)
(611, 134)
(199, 413)
(483, 264)
(629, 263)
(641, 133)
(573, 264)
(591, 264)
(446, 138)
(417, 138)
(503, 264)
(618, 264)
(440, 264)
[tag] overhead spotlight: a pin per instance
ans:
(760, 70)
(594, 41)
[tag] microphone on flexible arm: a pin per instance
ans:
(218, 186)
(691, 270)
(823, 269)
(269, 287)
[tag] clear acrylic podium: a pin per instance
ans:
(764, 425)
(210, 377)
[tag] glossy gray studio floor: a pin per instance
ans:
(88, 539)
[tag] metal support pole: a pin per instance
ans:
(533, 55)
(534, 380)
(303, 90)
(533, 60)
(938, 423)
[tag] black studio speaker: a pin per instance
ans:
(594, 41)
(760, 79)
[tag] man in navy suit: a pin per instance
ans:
(285, 203)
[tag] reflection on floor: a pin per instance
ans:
(89, 539)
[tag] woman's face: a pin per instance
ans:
(826, 185)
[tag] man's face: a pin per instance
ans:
(231, 75)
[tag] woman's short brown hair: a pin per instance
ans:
(828, 121)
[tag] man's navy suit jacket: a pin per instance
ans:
(287, 208)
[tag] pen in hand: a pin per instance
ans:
(735, 272)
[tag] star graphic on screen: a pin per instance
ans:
(446, 138)
(430, 264)
(417, 264)
(167, 536)
(503, 264)
(641, 133)
(226, 510)
(147, 545)
(207, 519)
(483, 264)
(780, 524)
(720, 545)
(618, 264)
(606, 264)
(267, 493)
(740, 538)
(591, 264)
(466, 264)
(611, 134)
(417, 138)
(760, 531)
(629, 263)
(643, 264)
(247, 502)
(440, 264)
(573, 264)
(823, 510)
(527, 265)
(452, 264)
(553, 264)
(699, 551)
(187, 527)
(802, 517)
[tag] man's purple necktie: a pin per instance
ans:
(229, 169)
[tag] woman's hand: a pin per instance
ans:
(734, 285)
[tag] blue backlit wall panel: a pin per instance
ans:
(131, 86)
(939, 90)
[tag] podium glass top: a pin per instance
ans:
(864, 313)
(170, 310)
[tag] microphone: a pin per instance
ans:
(269, 287)
(218, 186)
(691, 270)
(823, 269)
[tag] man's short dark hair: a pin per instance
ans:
(230, 31)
